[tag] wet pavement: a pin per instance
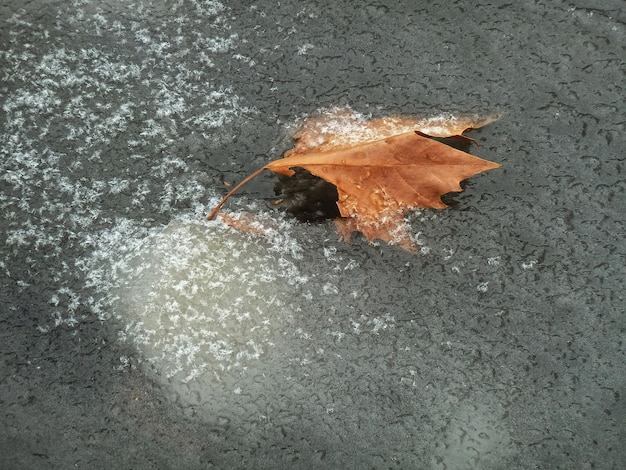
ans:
(134, 334)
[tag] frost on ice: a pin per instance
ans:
(198, 299)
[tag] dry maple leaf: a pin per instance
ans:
(381, 168)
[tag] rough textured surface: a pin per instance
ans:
(500, 346)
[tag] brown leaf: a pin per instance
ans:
(247, 222)
(341, 127)
(379, 181)
(381, 169)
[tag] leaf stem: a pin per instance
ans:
(232, 191)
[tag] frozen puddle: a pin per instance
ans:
(202, 302)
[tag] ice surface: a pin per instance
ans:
(86, 164)
(86, 168)
(204, 304)
(499, 341)
(474, 438)
(200, 300)
(81, 151)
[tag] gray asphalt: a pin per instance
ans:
(136, 335)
